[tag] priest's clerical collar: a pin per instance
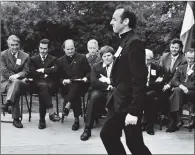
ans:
(124, 34)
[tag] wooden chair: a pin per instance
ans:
(33, 94)
(21, 106)
(187, 113)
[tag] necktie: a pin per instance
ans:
(14, 57)
(189, 67)
(172, 64)
(43, 59)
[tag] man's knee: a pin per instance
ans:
(42, 86)
(94, 95)
(178, 90)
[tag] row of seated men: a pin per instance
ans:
(45, 70)
(169, 81)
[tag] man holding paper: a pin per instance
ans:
(14, 69)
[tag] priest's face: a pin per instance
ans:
(69, 48)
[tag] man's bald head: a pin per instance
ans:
(68, 47)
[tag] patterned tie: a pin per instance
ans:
(14, 57)
(43, 59)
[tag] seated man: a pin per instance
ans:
(93, 55)
(153, 87)
(14, 69)
(73, 66)
(42, 70)
(184, 86)
(169, 63)
(100, 80)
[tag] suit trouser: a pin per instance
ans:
(14, 90)
(177, 98)
(45, 89)
(111, 133)
(72, 93)
(95, 106)
(164, 101)
(150, 106)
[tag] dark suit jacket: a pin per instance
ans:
(155, 72)
(98, 69)
(49, 67)
(165, 62)
(129, 75)
(180, 77)
(79, 67)
(93, 60)
(9, 67)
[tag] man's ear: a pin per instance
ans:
(126, 21)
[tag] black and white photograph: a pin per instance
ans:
(97, 77)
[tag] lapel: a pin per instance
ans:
(177, 62)
(123, 44)
(10, 57)
(168, 62)
(20, 56)
(92, 58)
(103, 70)
(39, 60)
(47, 61)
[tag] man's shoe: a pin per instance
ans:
(75, 126)
(54, 117)
(42, 124)
(150, 130)
(66, 111)
(86, 134)
(17, 123)
(5, 107)
(172, 128)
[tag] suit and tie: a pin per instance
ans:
(152, 90)
(184, 77)
(74, 67)
(93, 59)
(128, 78)
(98, 94)
(45, 84)
(168, 70)
(11, 65)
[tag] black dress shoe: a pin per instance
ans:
(172, 128)
(150, 130)
(5, 107)
(54, 117)
(86, 134)
(75, 126)
(17, 123)
(66, 111)
(42, 124)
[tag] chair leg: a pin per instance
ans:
(57, 105)
(2, 102)
(84, 109)
(21, 111)
(30, 107)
